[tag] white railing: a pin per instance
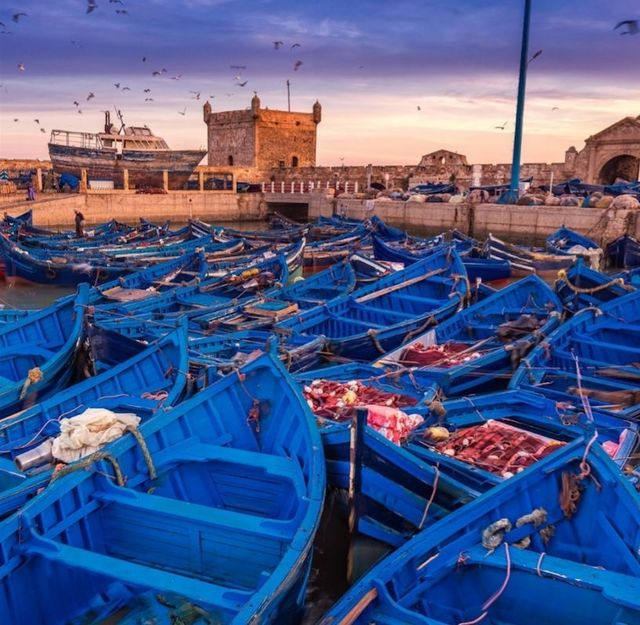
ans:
(309, 186)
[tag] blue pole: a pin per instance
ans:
(522, 86)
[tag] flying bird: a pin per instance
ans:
(15, 119)
(178, 77)
(37, 121)
(501, 127)
(16, 17)
(183, 112)
(80, 111)
(295, 45)
(148, 99)
(147, 90)
(632, 27)
(419, 108)
(144, 59)
(6, 32)
(42, 130)
(92, 5)
(277, 44)
(535, 56)
(196, 94)
(122, 12)
(555, 108)
(21, 67)
(242, 84)
(116, 85)
(91, 95)
(116, 2)
(126, 88)
(76, 102)
(297, 66)
(156, 73)
(238, 66)
(3, 25)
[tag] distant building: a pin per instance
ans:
(262, 138)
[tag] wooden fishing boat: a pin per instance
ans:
(380, 316)
(475, 263)
(106, 156)
(580, 287)
(270, 308)
(211, 356)
(525, 261)
(154, 378)
(239, 464)
(478, 348)
(486, 439)
(566, 242)
(624, 252)
(37, 350)
(594, 355)
(531, 537)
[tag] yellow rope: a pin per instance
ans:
(87, 462)
(562, 276)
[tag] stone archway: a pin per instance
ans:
(624, 166)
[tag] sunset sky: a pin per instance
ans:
(371, 63)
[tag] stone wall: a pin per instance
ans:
(231, 134)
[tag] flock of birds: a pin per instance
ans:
(629, 27)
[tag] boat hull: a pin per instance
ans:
(145, 167)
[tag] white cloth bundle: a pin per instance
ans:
(89, 431)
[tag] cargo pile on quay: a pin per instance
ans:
(176, 431)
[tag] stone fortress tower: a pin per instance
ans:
(262, 138)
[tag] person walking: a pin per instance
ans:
(79, 224)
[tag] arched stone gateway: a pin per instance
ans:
(612, 153)
(622, 167)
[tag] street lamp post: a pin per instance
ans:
(514, 189)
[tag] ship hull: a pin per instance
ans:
(145, 168)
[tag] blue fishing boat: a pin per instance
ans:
(525, 261)
(153, 378)
(532, 537)
(278, 304)
(37, 351)
(566, 242)
(211, 356)
(380, 316)
(239, 464)
(624, 252)
(483, 440)
(592, 355)
(477, 349)
(475, 262)
(580, 287)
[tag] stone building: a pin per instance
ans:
(261, 138)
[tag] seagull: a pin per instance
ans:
(21, 67)
(16, 119)
(419, 107)
(156, 73)
(297, 66)
(144, 59)
(6, 32)
(92, 5)
(277, 44)
(3, 25)
(147, 90)
(183, 112)
(91, 95)
(632, 27)
(555, 108)
(122, 12)
(535, 56)
(178, 77)
(501, 127)
(242, 84)
(80, 111)
(16, 17)
(37, 121)
(116, 2)
(238, 66)
(126, 88)
(196, 94)
(42, 130)
(116, 85)
(76, 102)
(150, 100)
(295, 45)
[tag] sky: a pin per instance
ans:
(396, 79)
